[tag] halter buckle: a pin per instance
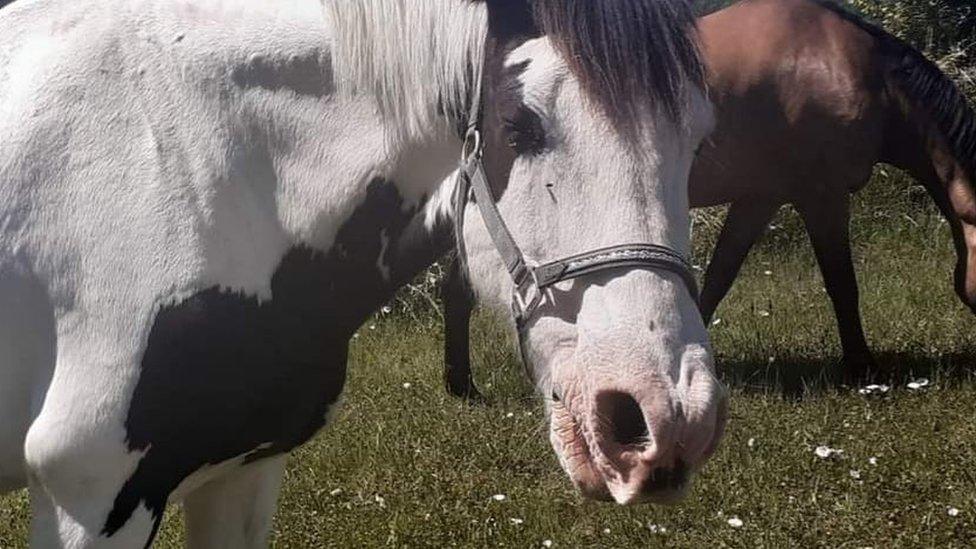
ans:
(527, 295)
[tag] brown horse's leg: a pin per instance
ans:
(458, 304)
(745, 223)
(827, 220)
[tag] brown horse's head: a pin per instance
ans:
(962, 199)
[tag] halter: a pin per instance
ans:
(532, 281)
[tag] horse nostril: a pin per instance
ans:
(664, 478)
(625, 416)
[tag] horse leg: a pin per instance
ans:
(827, 221)
(79, 457)
(745, 222)
(77, 462)
(235, 510)
(458, 304)
(27, 343)
(62, 518)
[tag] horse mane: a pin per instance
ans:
(926, 85)
(417, 58)
(628, 53)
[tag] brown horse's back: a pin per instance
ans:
(800, 97)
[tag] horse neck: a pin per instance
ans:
(417, 61)
(918, 147)
(395, 242)
(916, 143)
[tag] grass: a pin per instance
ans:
(404, 465)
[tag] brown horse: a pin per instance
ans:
(809, 98)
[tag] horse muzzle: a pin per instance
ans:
(638, 443)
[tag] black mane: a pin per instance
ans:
(926, 86)
(627, 54)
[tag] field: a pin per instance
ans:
(405, 465)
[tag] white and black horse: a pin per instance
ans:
(201, 200)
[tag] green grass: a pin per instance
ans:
(408, 466)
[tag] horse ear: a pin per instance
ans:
(520, 5)
(510, 17)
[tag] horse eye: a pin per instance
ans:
(523, 143)
(525, 133)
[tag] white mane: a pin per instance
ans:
(417, 57)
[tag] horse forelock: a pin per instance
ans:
(417, 58)
(628, 54)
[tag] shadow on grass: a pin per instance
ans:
(795, 377)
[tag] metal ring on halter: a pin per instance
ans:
(528, 295)
(472, 148)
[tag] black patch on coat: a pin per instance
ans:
(225, 374)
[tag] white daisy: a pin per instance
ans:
(874, 389)
(919, 384)
(826, 452)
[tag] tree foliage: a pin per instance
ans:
(944, 29)
(937, 26)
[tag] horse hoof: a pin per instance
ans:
(861, 368)
(464, 389)
(469, 393)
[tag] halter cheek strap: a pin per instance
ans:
(531, 281)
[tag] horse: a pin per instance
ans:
(806, 106)
(201, 201)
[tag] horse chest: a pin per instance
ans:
(226, 375)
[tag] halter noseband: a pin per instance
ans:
(532, 281)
